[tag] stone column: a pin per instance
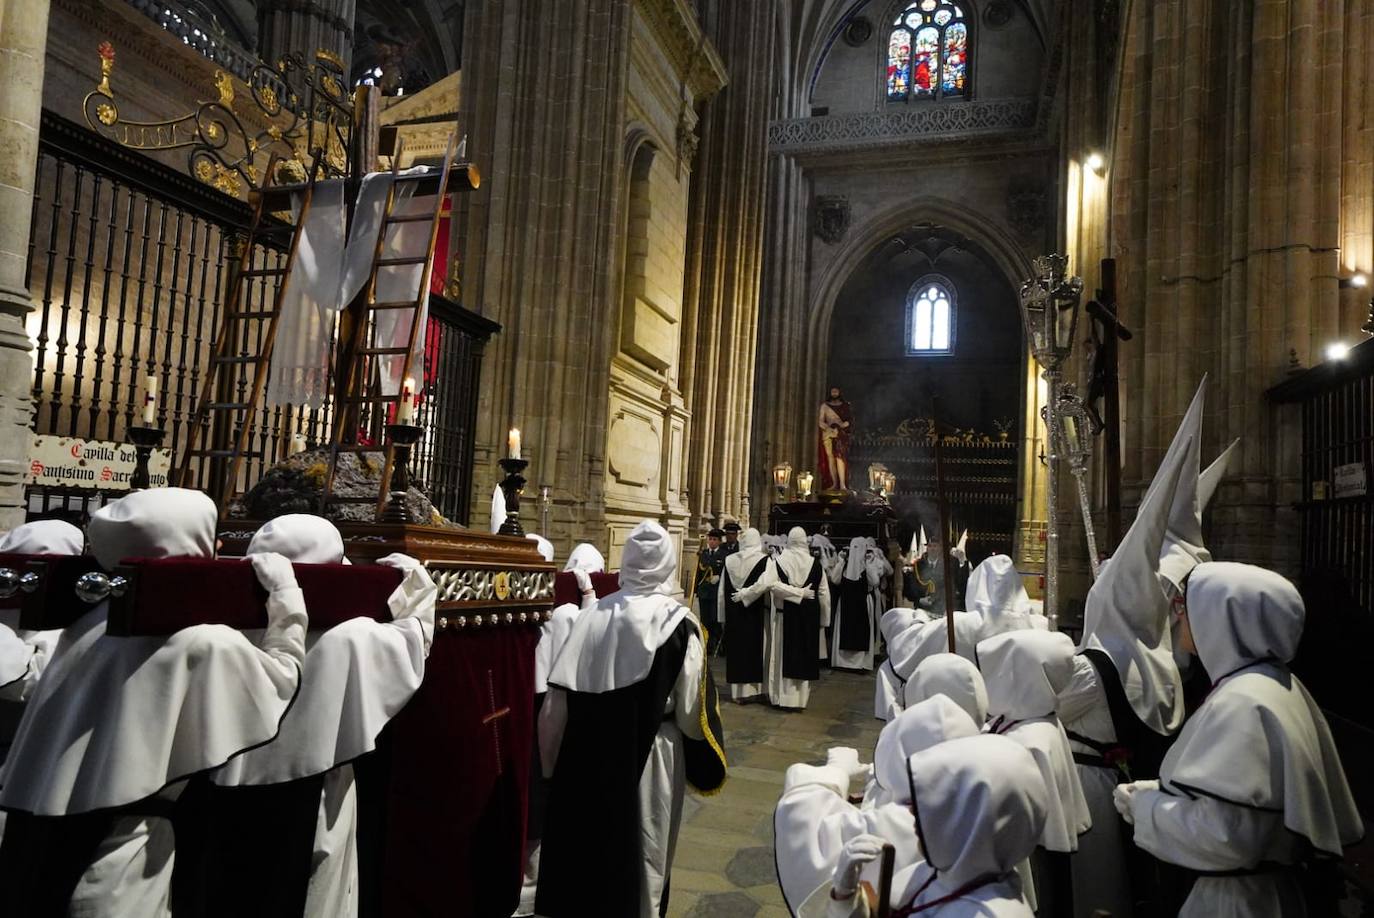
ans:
(724, 257)
(306, 26)
(23, 41)
(543, 239)
(1233, 215)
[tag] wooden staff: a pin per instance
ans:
(1112, 409)
(943, 503)
(885, 866)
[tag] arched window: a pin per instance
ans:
(927, 52)
(930, 317)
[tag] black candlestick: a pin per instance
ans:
(511, 486)
(403, 437)
(145, 439)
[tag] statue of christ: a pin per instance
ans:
(836, 428)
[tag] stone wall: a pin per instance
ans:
(1237, 197)
(843, 186)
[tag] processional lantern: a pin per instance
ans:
(804, 482)
(1050, 303)
(782, 476)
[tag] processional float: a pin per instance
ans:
(454, 763)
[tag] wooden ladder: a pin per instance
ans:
(231, 354)
(359, 373)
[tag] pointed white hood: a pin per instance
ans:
(919, 727)
(955, 678)
(980, 808)
(750, 552)
(586, 558)
(302, 538)
(795, 560)
(996, 592)
(116, 719)
(498, 509)
(1259, 740)
(43, 537)
(1127, 609)
(613, 643)
(1025, 672)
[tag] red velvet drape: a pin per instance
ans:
(459, 779)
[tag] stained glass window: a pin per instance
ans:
(930, 317)
(927, 52)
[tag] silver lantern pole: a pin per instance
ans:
(1050, 303)
(1076, 429)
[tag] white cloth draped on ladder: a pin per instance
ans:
(328, 274)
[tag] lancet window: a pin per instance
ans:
(928, 52)
(930, 317)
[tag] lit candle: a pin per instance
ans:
(406, 413)
(149, 401)
(513, 443)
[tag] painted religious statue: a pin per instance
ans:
(835, 424)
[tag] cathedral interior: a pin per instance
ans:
(685, 223)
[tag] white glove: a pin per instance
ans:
(737, 596)
(274, 572)
(808, 593)
(584, 580)
(846, 758)
(858, 851)
(1123, 797)
(415, 596)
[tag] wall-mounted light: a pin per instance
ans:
(1359, 280)
(1096, 162)
(1337, 350)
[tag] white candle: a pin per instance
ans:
(297, 443)
(406, 413)
(149, 401)
(513, 443)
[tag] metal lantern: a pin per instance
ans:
(782, 475)
(1050, 302)
(1075, 432)
(804, 482)
(889, 483)
(875, 477)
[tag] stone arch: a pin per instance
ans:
(1008, 255)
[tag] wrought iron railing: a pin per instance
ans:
(128, 264)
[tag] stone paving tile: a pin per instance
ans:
(724, 866)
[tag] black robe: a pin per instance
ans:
(744, 630)
(589, 862)
(801, 629)
(855, 620)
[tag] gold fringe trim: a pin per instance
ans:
(705, 724)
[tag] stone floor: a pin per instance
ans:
(724, 864)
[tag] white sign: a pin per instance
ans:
(1349, 480)
(71, 462)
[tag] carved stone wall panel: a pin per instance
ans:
(634, 448)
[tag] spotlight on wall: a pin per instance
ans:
(1337, 350)
(1358, 280)
(1095, 162)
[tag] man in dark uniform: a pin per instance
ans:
(732, 531)
(709, 565)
